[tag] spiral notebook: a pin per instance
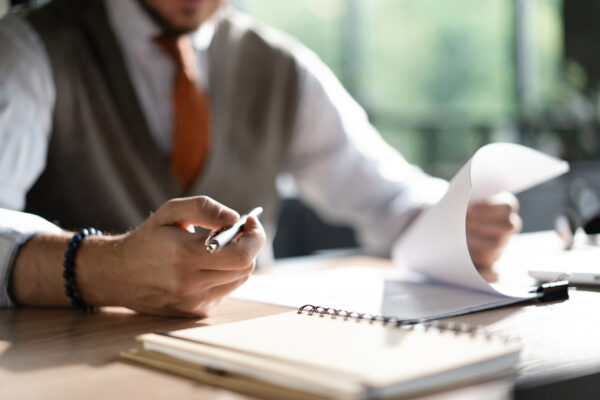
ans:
(323, 353)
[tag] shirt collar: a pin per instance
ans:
(133, 24)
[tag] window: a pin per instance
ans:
(438, 78)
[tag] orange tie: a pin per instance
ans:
(191, 111)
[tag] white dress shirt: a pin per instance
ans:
(340, 164)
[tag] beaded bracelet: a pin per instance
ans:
(68, 274)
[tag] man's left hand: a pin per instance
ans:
(489, 226)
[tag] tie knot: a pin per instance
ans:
(180, 49)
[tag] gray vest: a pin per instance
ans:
(103, 167)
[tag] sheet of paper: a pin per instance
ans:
(436, 243)
(358, 289)
(366, 290)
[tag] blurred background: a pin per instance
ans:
(439, 79)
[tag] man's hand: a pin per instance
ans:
(489, 226)
(158, 268)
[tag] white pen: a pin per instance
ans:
(221, 237)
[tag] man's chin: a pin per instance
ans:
(179, 20)
(186, 24)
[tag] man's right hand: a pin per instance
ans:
(158, 268)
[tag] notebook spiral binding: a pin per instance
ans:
(310, 309)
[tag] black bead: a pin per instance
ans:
(68, 273)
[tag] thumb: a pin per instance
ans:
(199, 210)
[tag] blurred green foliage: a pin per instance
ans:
(437, 77)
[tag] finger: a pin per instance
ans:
(484, 262)
(231, 257)
(200, 210)
(240, 253)
(195, 258)
(488, 274)
(252, 239)
(490, 212)
(194, 289)
(252, 226)
(210, 279)
(484, 244)
(483, 251)
(502, 202)
(201, 308)
(251, 223)
(505, 227)
(224, 290)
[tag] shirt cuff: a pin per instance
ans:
(16, 228)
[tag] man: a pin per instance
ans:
(110, 108)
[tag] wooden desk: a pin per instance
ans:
(63, 354)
